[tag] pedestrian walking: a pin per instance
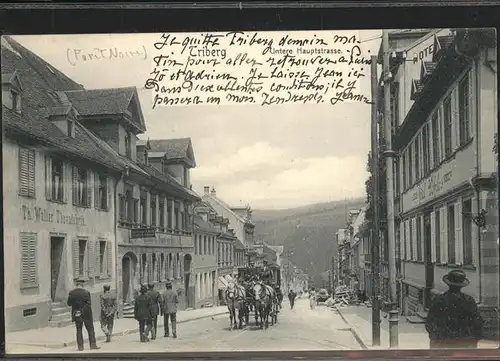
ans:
(108, 311)
(291, 298)
(312, 298)
(453, 319)
(155, 297)
(169, 309)
(142, 313)
(81, 314)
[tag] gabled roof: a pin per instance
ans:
(106, 102)
(200, 224)
(179, 149)
(156, 154)
(441, 43)
(277, 249)
(208, 197)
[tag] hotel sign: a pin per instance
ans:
(39, 214)
(447, 177)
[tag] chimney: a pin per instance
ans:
(213, 193)
(206, 190)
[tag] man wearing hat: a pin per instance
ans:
(142, 313)
(155, 308)
(453, 320)
(108, 311)
(169, 309)
(81, 314)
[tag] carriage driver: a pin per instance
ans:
(266, 275)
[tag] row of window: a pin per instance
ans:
(55, 173)
(163, 212)
(205, 285)
(204, 245)
(449, 128)
(92, 259)
(448, 230)
(158, 267)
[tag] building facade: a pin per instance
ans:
(445, 115)
(240, 221)
(155, 222)
(60, 182)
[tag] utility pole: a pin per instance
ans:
(374, 205)
(389, 161)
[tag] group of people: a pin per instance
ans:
(148, 306)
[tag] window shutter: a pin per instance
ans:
(90, 258)
(422, 239)
(472, 110)
(109, 258)
(23, 172)
(433, 237)
(31, 173)
(48, 177)
(75, 182)
(97, 198)
(407, 240)
(459, 242)
(475, 233)
(29, 277)
(90, 180)
(109, 193)
(444, 234)
(414, 239)
(455, 129)
(97, 259)
(76, 259)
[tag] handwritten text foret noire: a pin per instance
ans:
(258, 68)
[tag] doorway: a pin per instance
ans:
(429, 266)
(56, 254)
(129, 264)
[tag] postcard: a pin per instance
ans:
(222, 191)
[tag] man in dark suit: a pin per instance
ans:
(81, 314)
(155, 308)
(108, 311)
(453, 320)
(142, 313)
(169, 309)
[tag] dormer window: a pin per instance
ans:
(11, 91)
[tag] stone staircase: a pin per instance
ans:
(419, 317)
(61, 315)
(128, 310)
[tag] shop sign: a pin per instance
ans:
(143, 233)
(39, 214)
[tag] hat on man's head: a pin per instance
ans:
(106, 288)
(143, 289)
(151, 286)
(456, 278)
(80, 281)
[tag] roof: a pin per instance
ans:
(229, 209)
(277, 249)
(156, 154)
(238, 244)
(106, 102)
(201, 225)
(176, 149)
(47, 74)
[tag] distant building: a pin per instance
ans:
(240, 221)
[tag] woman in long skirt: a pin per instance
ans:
(312, 298)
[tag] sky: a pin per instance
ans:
(272, 157)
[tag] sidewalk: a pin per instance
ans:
(53, 337)
(411, 336)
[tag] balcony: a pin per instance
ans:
(148, 235)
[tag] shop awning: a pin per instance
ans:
(222, 283)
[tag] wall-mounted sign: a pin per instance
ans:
(423, 54)
(432, 186)
(39, 214)
(143, 233)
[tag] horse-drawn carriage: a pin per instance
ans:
(250, 294)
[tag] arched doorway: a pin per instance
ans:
(129, 264)
(188, 290)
